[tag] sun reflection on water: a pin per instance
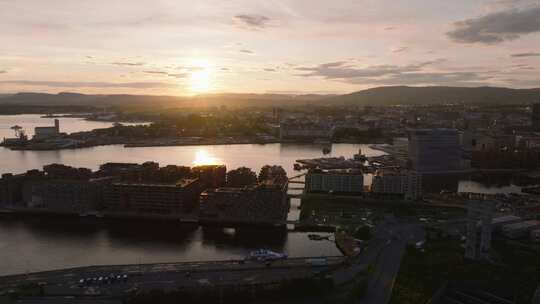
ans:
(202, 157)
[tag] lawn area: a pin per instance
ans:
(422, 273)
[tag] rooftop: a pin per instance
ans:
(337, 172)
(522, 225)
(505, 218)
(180, 183)
(394, 171)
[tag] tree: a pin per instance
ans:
(241, 177)
(274, 173)
(362, 233)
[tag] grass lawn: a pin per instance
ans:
(422, 273)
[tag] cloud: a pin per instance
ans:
(270, 70)
(247, 51)
(529, 83)
(412, 74)
(400, 49)
(251, 21)
(3, 71)
(175, 75)
(155, 72)
(81, 84)
(530, 54)
(505, 4)
(497, 27)
(343, 70)
(178, 75)
(332, 64)
(128, 63)
(389, 28)
(190, 68)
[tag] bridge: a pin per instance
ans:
(293, 180)
(296, 188)
(297, 195)
(297, 176)
(296, 182)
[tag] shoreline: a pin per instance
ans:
(172, 143)
(189, 219)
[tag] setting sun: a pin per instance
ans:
(200, 77)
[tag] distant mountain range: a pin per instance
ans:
(391, 95)
(403, 95)
(236, 100)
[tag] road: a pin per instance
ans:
(386, 250)
(168, 276)
(536, 297)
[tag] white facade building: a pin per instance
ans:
(339, 181)
(305, 130)
(47, 132)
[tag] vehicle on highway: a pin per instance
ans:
(317, 261)
(265, 255)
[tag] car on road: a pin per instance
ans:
(265, 255)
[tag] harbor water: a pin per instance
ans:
(38, 244)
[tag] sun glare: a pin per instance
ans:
(202, 157)
(200, 77)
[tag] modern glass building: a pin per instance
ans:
(434, 150)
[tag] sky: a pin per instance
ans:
(179, 47)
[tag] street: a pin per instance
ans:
(386, 250)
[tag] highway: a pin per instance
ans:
(168, 276)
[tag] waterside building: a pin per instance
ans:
(335, 181)
(405, 183)
(435, 150)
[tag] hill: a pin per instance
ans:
(234, 100)
(403, 95)
(391, 95)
